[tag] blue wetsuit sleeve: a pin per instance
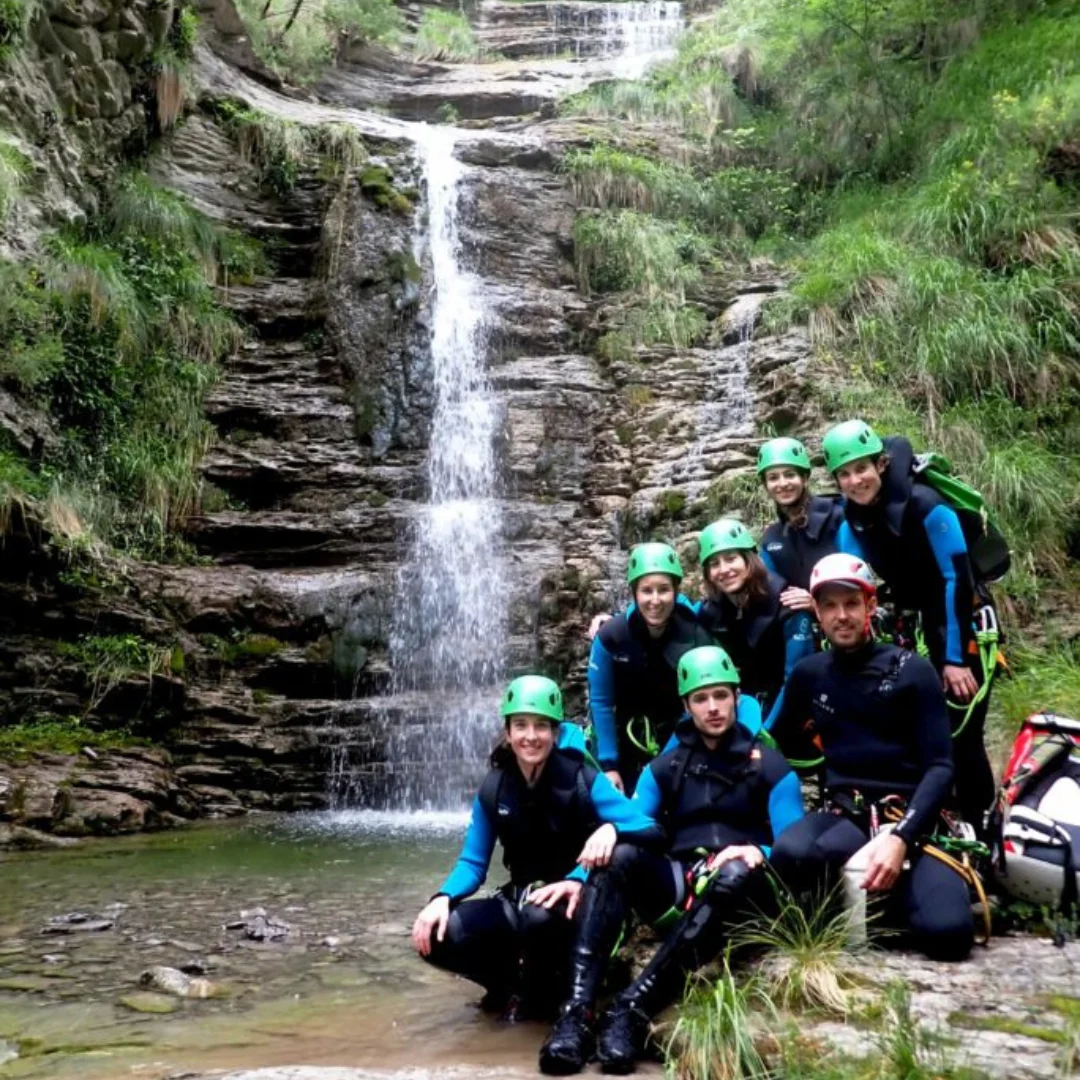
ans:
(848, 542)
(785, 804)
(692, 605)
(579, 873)
(472, 866)
(628, 816)
(572, 737)
(951, 554)
(767, 559)
(749, 713)
(602, 704)
(647, 795)
(798, 644)
(673, 741)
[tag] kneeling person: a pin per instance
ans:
(722, 798)
(877, 714)
(543, 803)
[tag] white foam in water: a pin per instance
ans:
(642, 34)
(385, 823)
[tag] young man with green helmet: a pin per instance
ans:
(723, 798)
(743, 611)
(554, 815)
(634, 701)
(806, 526)
(915, 541)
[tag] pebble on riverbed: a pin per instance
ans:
(171, 981)
(77, 922)
(258, 926)
(145, 1001)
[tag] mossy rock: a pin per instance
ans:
(143, 1001)
(377, 499)
(24, 984)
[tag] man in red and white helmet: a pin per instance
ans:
(876, 715)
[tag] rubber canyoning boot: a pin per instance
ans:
(569, 1047)
(623, 1034)
(600, 917)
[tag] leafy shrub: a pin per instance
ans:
(446, 35)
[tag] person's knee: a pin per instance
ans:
(624, 860)
(950, 941)
(730, 879)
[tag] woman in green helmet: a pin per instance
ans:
(744, 613)
(634, 701)
(545, 806)
(806, 529)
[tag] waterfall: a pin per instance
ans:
(449, 635)
(631, 35)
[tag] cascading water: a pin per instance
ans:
(450, 627)
(630, 34)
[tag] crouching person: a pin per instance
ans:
(722, 798)
(877, 715)
(545, 806)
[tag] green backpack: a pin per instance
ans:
(988, 549)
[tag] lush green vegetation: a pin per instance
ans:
(918, 167)
(446, 35)
(299, 39)
(115, 332)
(280, 149)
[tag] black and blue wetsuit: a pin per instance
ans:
(502, 942)
(765, 641)
(632, 678)
(740, 793)
(791, 552)
(914, 541)
(878, 716)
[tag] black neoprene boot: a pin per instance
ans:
(696, 939)
(570, 1045)
(622, 1038)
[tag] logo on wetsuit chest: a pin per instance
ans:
(823, 704)
(774, 547)
(502, 810)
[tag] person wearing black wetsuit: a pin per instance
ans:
(806, 526)
(543, 804)
(723, 798)
(915, 542)
(877, 715)
(634, 701)
(743, 611)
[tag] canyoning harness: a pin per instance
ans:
(697, 877)
(952, 842)
(904, 629)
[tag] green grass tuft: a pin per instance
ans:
(446, 35)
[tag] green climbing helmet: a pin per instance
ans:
(782, 452)
(727, 534)
(533, 694)
(849, 441)
(707, 665)
(653, 559)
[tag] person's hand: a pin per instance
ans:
(796, 599)
(598, 848)
(884, 862)
(598, 621)
(747, 853)
(959, 682)
(616, 780)
(434, 917)
(547, 896)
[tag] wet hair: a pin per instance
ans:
(798, 515)
(757, 580)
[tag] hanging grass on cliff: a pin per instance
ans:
(447, 35)
(115, 334)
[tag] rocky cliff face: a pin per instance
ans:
(279, 638)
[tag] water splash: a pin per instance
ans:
(631, 34)
(450, 620)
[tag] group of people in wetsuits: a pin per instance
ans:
(688, 803)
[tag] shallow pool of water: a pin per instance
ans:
(343, 988)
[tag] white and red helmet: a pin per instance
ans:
(840, 569)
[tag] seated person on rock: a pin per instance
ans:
(744, 612)
(876, 713)
(807, 525)
(722, 797)
(634, 701)
(544, 805)
(914, 541)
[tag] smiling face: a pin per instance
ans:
(728, 572)
(712, 708)
(860, 480)
(786, 485)
(654, 595)
(531, 738)
(844, 613)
